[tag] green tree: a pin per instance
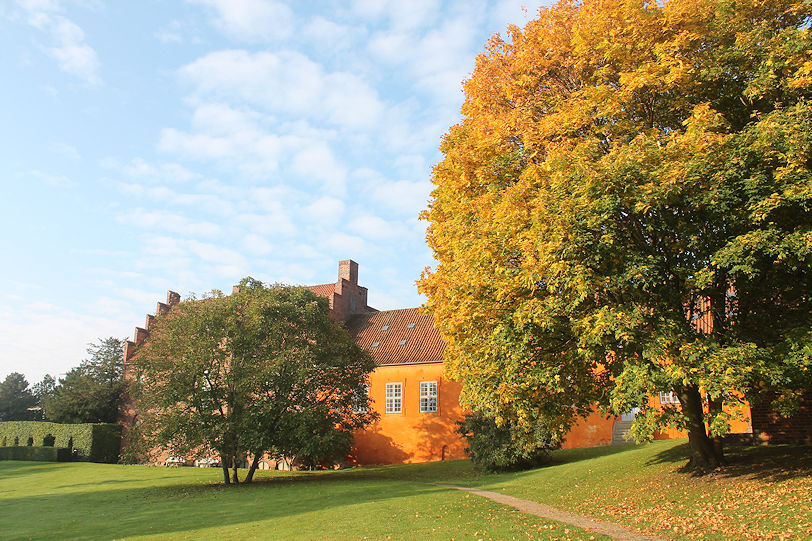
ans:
(42, 391)
(16, 398)
(625, 209)
(498, 448)
(265, 370)
(90, 392)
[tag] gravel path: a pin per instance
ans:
(545, 511)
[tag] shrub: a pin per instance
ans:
(93, 442)
(501, 448)
(39, 454)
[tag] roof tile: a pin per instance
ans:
(423, 342)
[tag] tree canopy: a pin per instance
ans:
(265, 370)
(15, 398)
(90, 392)
(624, 209)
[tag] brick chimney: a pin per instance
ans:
(348, 270)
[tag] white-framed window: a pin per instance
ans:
(668, 398)
(360, 400)
(428, 397)
(394, 397)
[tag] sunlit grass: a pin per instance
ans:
(96, 501)
(765, 493)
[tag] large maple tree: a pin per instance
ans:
(624, 208)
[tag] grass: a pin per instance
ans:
(764, 494)
(97, 501)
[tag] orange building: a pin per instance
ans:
(418, 407)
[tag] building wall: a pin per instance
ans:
(591, 431)
(411, 436)
(769, 426)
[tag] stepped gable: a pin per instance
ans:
(142, 333)
(345, 296)
(383, 333)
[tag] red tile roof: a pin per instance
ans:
(423, 342)
(323, 290)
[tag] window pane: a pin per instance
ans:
(428, 396)
(394, 397)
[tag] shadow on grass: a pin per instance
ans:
(567, 456)
(769, 463)
(12, 468)
(465, 472)
(125, 512)
(674, 455)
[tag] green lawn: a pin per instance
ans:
(764, 493)
(97, 501)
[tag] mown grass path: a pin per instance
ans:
(602, 527)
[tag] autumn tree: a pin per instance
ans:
(265, 370)
(623, 209)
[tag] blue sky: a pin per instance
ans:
(183, 145)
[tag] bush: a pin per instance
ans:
(39, 454)
(92, 442)
(501, 448)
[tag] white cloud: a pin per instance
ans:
(184, 261)
(251, 20)
(326, 211)
(285, 82)
(24, 347)
(163, 220)
(69, 48)
(376, 228)
(242, 140)
(57, 181)
(269, 224)
(342, 243)
(171, 33)
(330, 37)
(161, 173)
(517, 12)
(231, 137)
(257, 245)
(437, 60)
(66, 150)
(212, 203)
(402, 196)
(402, 15)
(316, 161)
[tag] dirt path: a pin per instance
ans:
(545, 511)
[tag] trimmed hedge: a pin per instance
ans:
(98, 442)
(40, 454)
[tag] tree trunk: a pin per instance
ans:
(235, 478)
(714, 409)
(254, 463)
(703, 454)
(224, 465)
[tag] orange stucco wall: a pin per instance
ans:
(591, 431)
(742, 424)
(411, 436)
